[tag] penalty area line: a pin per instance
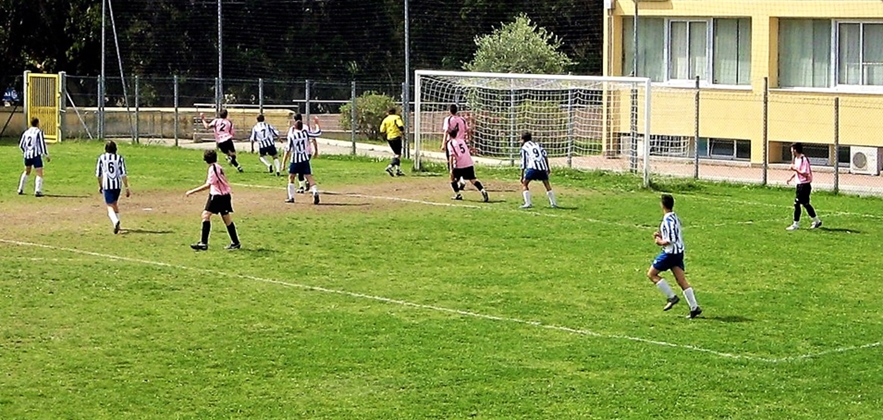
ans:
(538, 324)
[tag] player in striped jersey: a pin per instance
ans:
(33, 148)
(112, 178)
(219, 202)
(392, 128)
(671, 258)
(302, 184)
(534, 167)
(454, 127)
(462, 167)
(224, 133)
(298, 153)
(265, 134)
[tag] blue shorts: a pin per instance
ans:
(535, 175)
(302, 168)
(36, 162)
(111, 196)
(269, 150)
(665, 261)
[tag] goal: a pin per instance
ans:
(586, 122)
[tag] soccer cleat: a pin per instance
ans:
(239, 168)
(526, 206)
(290, 200)
(199, 246)
(816, 225)
(554, 206)
(400, 173)
(20, 192)
(270, 169)
(457, 197)
(794, 226)
(278, 174)
(237, 245)
(484, 196)
(116, 228)
(315, 198)
(390, 172)
(38, 194)
(672, 301)
(695, 312)
(301, 190)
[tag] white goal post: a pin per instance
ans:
(587, 122)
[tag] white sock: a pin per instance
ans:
(816, 219)
(23, 181)
(551, 195)
(114, 217)
(691, 298)
(39, 184)
(290, 191)
(278, 165)
(666, 289)
(526, 195)
(265, 161)
(315, 189)
(302, 184)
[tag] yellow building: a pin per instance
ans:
(809, 52)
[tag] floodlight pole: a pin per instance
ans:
(101, 83)
(406, 92)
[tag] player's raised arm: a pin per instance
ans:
(205, 123)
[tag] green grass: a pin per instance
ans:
(372, 308)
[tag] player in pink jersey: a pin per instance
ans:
(219, 202)
(224, 132)
(803, 172)
(454, 127)
(462, 167)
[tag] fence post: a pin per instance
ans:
(100, 107)
(696, 134)
(570, 118)
(766, 129)
(217, 96)
(406, 116)
(512, 127)
(62, 103)
(837, 145)
(176, 109)
(307, 101)
(137, 113)
(353, 123)
(261, 96)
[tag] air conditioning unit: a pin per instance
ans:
(865, 160)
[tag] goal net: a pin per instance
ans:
(585, 122)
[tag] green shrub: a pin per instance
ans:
(371, 108)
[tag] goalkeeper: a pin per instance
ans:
(393, 127)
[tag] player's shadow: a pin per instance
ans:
(730, 319)
(64, 196)
(344, 204)
(258, 252)
(568, 208)
(144, 232)
(839, 230)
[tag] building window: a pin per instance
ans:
(860, 54)
(672, 49)
(724, 149)
(818, 154)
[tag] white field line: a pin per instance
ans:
(577, 331)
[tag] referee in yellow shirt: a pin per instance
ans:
(393, 126)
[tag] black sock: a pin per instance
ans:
(206, 229)
(233, 161)
(231, 229)
(810, 211)
(479, 186)
(300, 177)
(396, 161)
(796, 212)
(455, 186)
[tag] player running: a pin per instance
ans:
(671, 258)
(462, 167)
(33, 148)
(219, 202)
(393, 127)
(224, 132)
(266, 135)
(534, 167)
(112, 177)
(298, 153)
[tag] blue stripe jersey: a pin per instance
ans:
(533, 156)
(298, 145)
(33, 144)
(111, 168)
(670, 229)
(264, 133)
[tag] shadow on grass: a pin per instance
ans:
(839, 230)
(64, 196)
(324, 204)
(727, 318)
(144, 231)
(258, 252)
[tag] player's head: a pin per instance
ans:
(223, 113)
(261, 118)
(35, 122)
(299, 125)
(453, 109)
(298, 117)
(526, 137)
(668, 202)
(210, 156)
(110, 147)
(392, 111)
(797, 148)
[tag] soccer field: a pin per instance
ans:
(389, 300)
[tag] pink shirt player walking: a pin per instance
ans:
(219, 202)
(462, 166)
(803, 172)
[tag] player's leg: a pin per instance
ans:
(276, 162)
(292, 176)
(314, 189)
(798, 200)
(549, 193)
(525, 189)
(231, 230)
(38, 183)
(681, 278)
(202, 245)
(24, 179)
(394, 167)
(455, 185)
(111, 198)
(229, 149)
(816, 222)
(301, 184)
(470, 175)
(658, 266)
(263, 157)
(233, 161)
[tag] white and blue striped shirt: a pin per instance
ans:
(298, 145)
(533, 156)
(670, 230)
(264, 134)
(111, 168)
(33, 143)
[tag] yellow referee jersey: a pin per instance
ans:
(392, 125)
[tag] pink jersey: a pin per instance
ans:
(802, 165)
(217, 180)
(457, 120)
(223, 129)
(460, 151)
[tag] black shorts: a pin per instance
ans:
(226, 147)
(219, 204)
(396, 145)
(269, 150)
(803, 192)
(465, 173)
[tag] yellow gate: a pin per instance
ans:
(43, 100)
